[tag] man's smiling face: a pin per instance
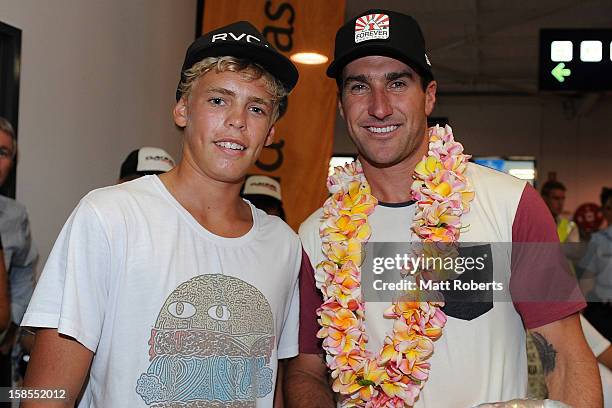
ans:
(385, 108)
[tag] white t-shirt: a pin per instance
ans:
(174, 313)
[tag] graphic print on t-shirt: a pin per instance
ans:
(211, 346)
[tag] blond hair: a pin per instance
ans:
(249, 70)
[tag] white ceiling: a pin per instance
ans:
(490, 46)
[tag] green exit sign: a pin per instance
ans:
(575, 59)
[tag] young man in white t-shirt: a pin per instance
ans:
(171, 290)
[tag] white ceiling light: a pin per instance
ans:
(310, 58)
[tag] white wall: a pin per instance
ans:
(97, 81)
(571, 136)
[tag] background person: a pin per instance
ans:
(597, 277)
(145, 161)
(20, 255)
(5, 298)
(553, 193)
(264, 193)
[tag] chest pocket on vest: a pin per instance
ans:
(464, 300)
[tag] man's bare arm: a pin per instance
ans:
(279, 399)
(57, 362)
(570, 368)
(306, 383)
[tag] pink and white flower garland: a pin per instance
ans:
(395, 376)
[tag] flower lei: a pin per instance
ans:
(395, 376)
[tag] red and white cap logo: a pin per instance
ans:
(372, 27)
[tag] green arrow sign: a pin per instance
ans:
(560, 72)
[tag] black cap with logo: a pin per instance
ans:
(380, 32)
(241, 40)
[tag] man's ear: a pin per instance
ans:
(340, 110)
(430, 97)
(270, 137)
(180, 112)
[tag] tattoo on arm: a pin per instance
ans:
(548, 354)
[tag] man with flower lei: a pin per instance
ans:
(412, 184)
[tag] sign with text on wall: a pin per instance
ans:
(575, 59)
(300, 154)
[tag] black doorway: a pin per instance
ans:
(10, 67)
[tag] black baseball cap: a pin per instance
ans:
(241, 40)
(380, 32)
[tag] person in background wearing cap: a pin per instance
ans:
(474, 352)
(171, 290)
(143, 162)
(264, 193)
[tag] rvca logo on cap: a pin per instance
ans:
(233, 37)
(372, 27)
